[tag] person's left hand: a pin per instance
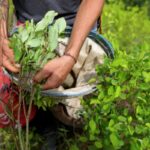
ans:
(55, 72)
(7, 56)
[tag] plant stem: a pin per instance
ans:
(15, 138)
(28, 117)
(18, 123)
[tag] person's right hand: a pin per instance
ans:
(7, 56)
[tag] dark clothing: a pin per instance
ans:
(46, 126)
(36, 9)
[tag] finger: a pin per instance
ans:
(9, 53)
(7, 50)
(41, 75)
(1, 57)
(7, 64)
(52, 82)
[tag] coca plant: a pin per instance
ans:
(118, 114)
(34, 44)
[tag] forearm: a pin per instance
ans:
(87, 16)
(3, 25)
(3, 18)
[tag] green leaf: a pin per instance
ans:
(24, 35)
(139, 110)
(74, 147)
(16, 45)
(17, 54)
(111, 123)
(83, 139)
(33, 43)
(92, 137)
(98, 144)
(94, 101)
(92, 126)
(117, 143)
(30, 26)
(139, 129)
(106, 108)
(145, 143)
(47, 20)
(118, 91)
(37, 54)
(92, 80)
(131, 130)
(46, 58)
(148, 125)
(122, 118)
(52, 38)
(130, 119)
(60, 24)
(111, 90)
(134, 145)
(146, 76)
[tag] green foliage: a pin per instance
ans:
(130, 2)
(118, 115)
(126, 29)
(8, 139)
(34, 45)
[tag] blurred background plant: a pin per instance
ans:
(127, 29)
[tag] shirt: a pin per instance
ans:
(36, 9)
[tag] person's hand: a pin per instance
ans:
(55, 72)
(7, 56)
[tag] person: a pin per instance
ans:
(81, 14)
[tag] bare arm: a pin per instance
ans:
(87, 15)
(6, 54)
(56, 71)
(3, 18)
(3, 14)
